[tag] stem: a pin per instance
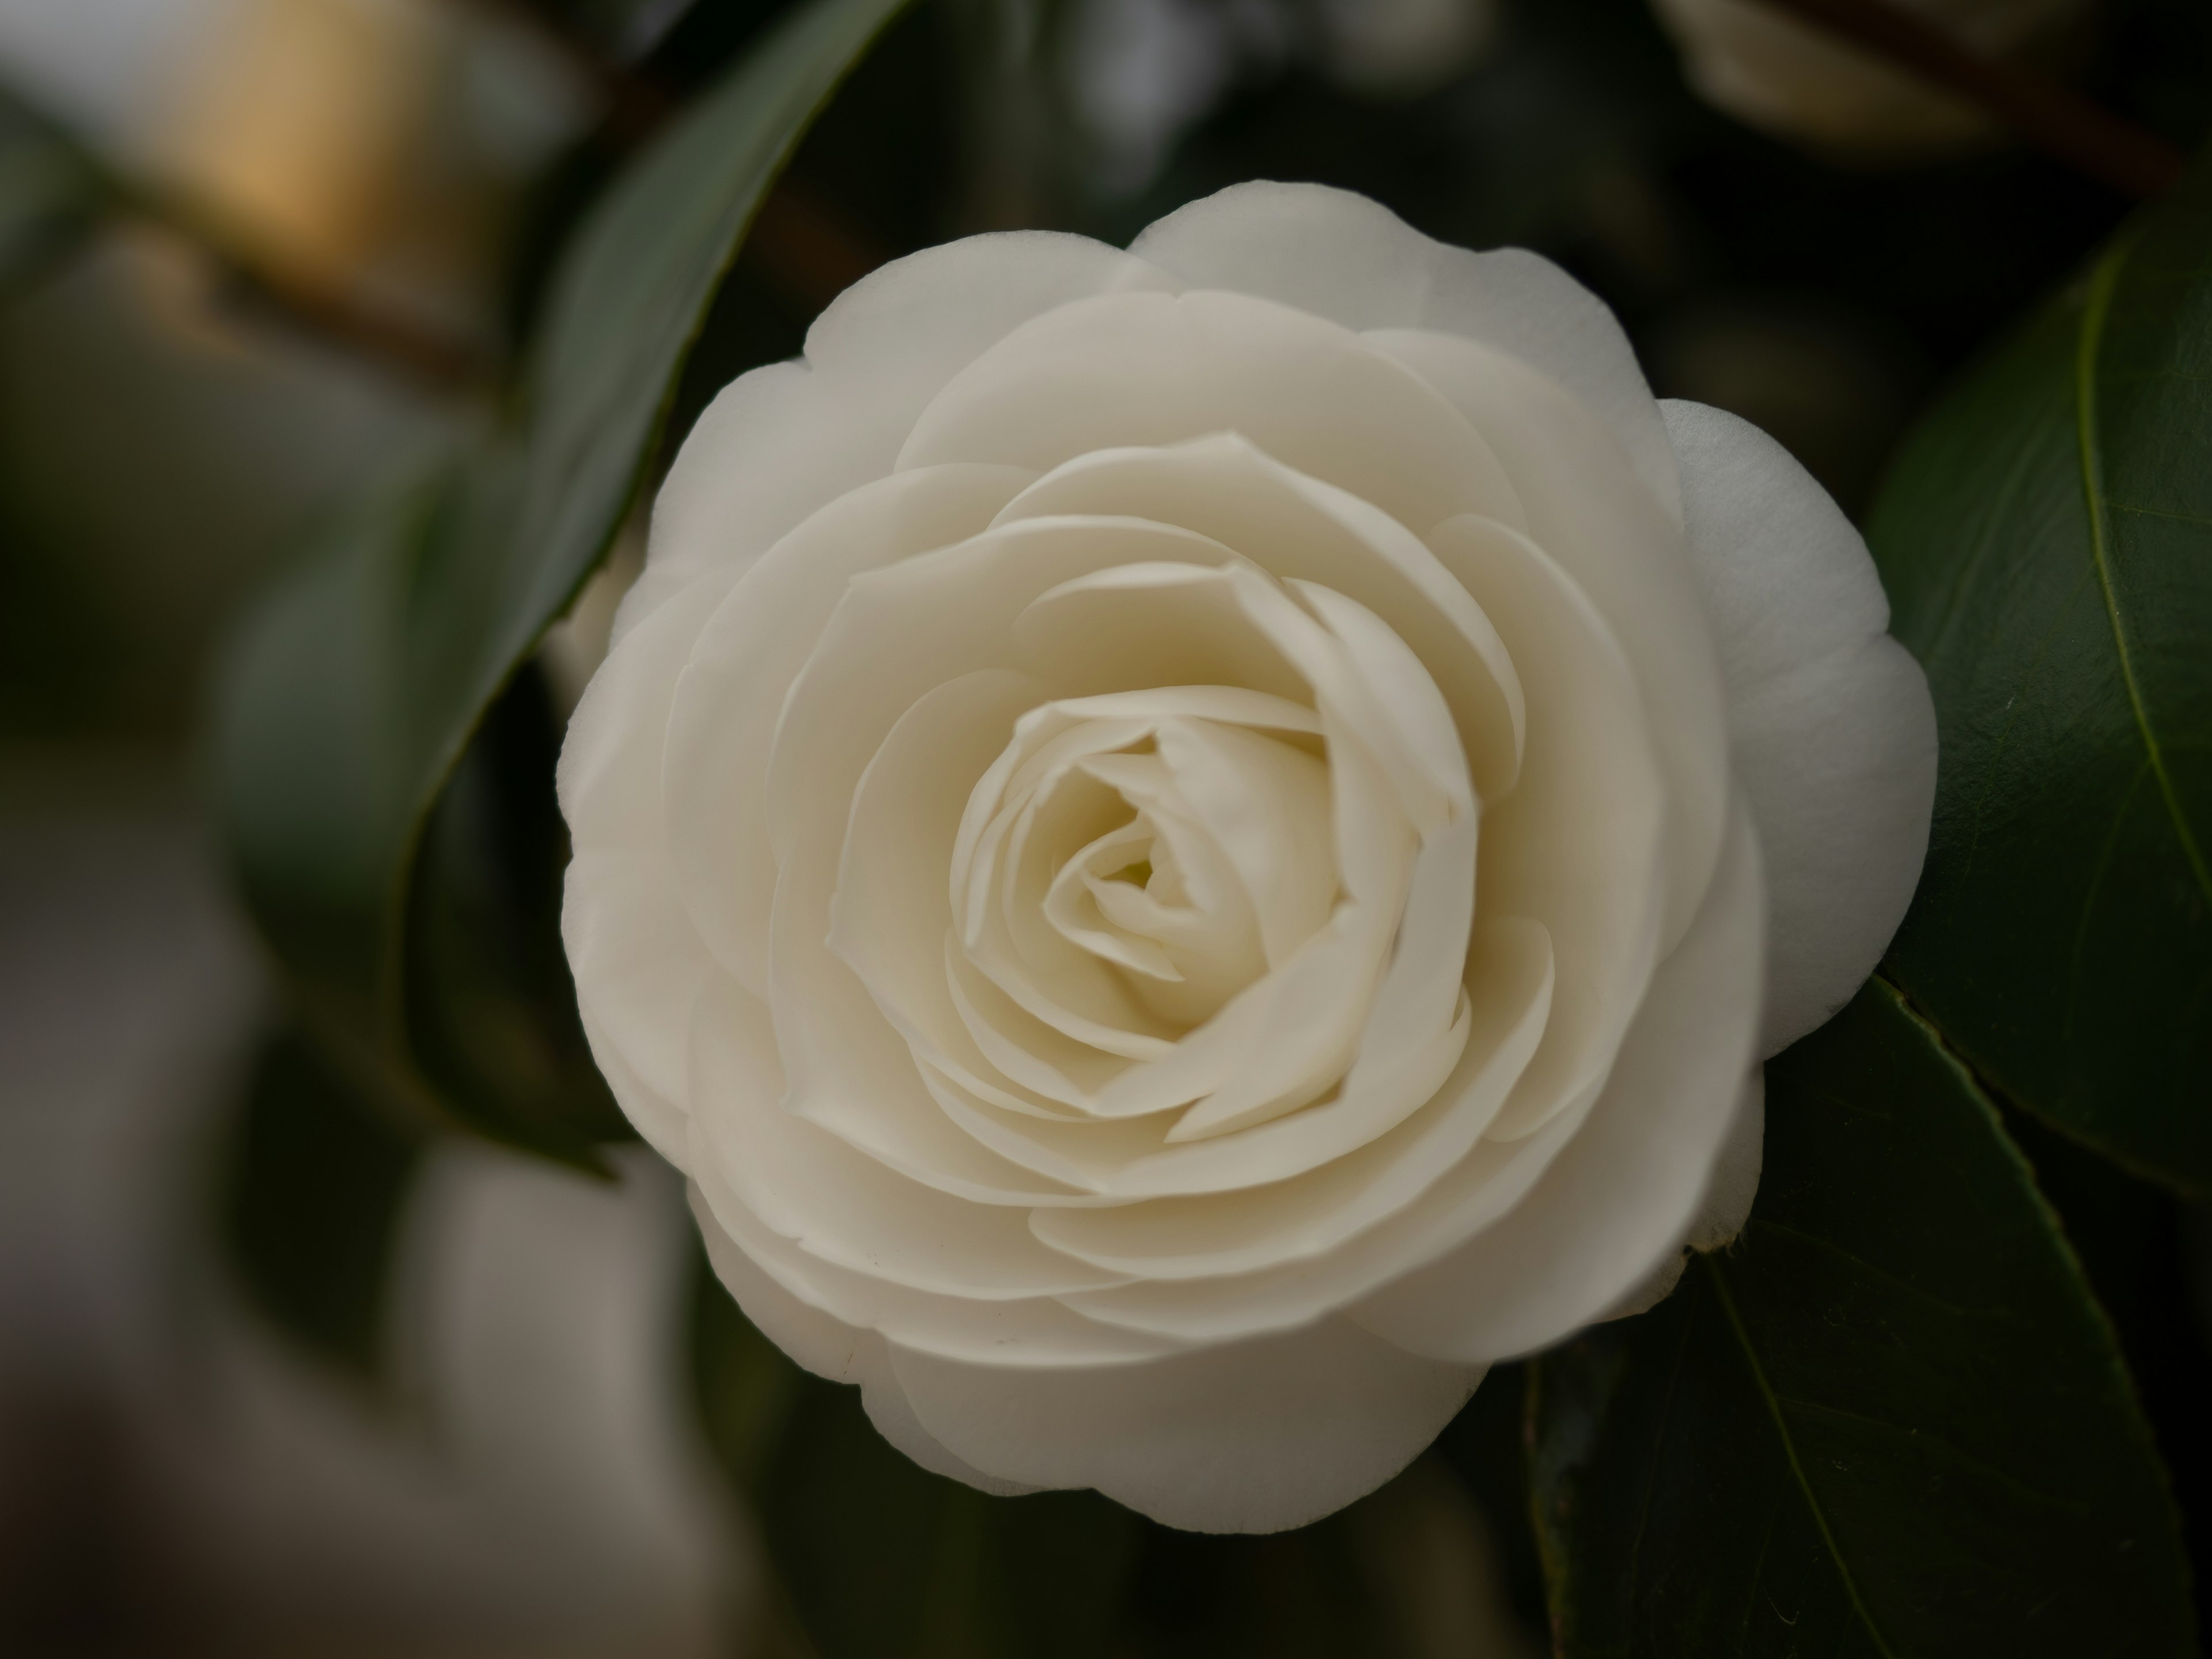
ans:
(2060, 123)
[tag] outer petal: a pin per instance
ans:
(1355, 262)
(1832, 730)
(638, 965)
(1150, 370)
(1254, 1437)
(1623, 1191)
(829, 1347)
(781, 442)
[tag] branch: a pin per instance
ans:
(2093, 141)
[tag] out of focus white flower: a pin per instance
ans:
(1791, 77)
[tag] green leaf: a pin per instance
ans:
(312, 1180)
(2046, 541)
(1892, 1422)
(351, 694)
(491, 1009)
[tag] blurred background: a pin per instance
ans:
(257, 256)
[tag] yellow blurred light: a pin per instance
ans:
(296, 128)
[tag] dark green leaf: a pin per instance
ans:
(352, 694)
(491, 1009)
(2046, 540)
(1892, 1422)
(312, 1181)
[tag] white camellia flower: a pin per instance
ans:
(1791, 76)
(1189, 847)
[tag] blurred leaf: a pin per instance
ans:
(50, 196)
(352, 693)
(312, 1182)
(2046, 540)
(1892, 1421)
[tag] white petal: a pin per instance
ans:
(609, 775)
(837, 1204)
(1591, 515)
(1348, 258)
(1581, 845)
(830, 1348)
(1620, 1197)
(1734, 1182)
(1018, 1333)
(638, 968)
(722, 726)
(885, 1402)
(1354, 1162)
(1725, 1207)
(1150, 369)
(1257, 1436)
(818, 1341)
(1831, 725)
(664, 1123)
(1299, 529)
(898, 631)
(781, 442)
(635, 958)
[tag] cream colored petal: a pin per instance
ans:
(665, 1125)
(1589, 512)
(1130, 627)
(779, 443)
(1299, 529)
(1622, 1192)
(892, 910)
(1581, 845)
(1150, 369)
(638, 968)
(1308, 1183)
(608, 774)
(1254, 1438)
(1344, 256)
(1831, 725)
(1734, 1182)
(898, 631)
(839, 1205)
(1023, 1333)
(721, 727)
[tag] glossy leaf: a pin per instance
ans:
(351, 694)
(1891, 1422)
(2046, 541)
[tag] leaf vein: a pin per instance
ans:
(1797, 1465)
(2095, 313)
